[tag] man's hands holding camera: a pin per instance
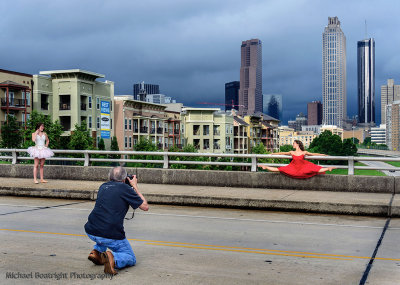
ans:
(132, 179)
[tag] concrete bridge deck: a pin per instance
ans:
(352, 203)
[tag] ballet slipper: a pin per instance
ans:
(43, 181)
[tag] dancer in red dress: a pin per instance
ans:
(299, 167)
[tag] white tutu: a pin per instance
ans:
(40, 152)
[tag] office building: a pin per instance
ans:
(366, 81)
(250, 92)
(232, 95)
(314, 113)
(15, 94)
(159, 99)
(75, 96)
(272, 105)
(389, 93)
(378, 134)
(334, 95)
(148, 88)
(301, 120)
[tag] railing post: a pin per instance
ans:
(86, 158)
(166, 163)
(14, 156)
(254, 163)
(350, 165)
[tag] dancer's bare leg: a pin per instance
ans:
(324, 169)
(41, 170)
(269, 168)
(35, 167)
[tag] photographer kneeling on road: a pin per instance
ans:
(105, 222)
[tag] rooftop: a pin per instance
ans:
(65, 71)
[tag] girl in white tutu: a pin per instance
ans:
(40, 151)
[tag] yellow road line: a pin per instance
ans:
(228, 248)
(248, 251)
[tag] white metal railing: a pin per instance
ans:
(13, 155)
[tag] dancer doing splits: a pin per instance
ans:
(40, 151)
(299, 167)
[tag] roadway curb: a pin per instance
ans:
(353, 208)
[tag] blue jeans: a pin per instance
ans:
(122, 250)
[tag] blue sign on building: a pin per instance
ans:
(105, 119)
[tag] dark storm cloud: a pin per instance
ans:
(192, 48)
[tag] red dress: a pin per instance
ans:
(300, 168)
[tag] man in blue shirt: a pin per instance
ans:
(105, 222)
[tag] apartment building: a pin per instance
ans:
(210, 130)
(262, 129)
(138, 119)
(15, 96)
(240, 138)
(288, 135)
(74, 96)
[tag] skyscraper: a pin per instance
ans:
(232, 95)
(366, 81)
(334, 95)
(272, 105)
(250, 92)
(389, 94)
(314, 113)
(149, 88)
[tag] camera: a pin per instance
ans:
(130, 177)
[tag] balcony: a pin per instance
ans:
(135, 130)
(159, 131)
(152, 131)
(217, 146)
(65, 106)
(217, 132)
(19, 124)
(15, 103)
(143, 130)
(83, 107)
(176, 131)
(44, 106)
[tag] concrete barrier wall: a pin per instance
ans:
(344, 183)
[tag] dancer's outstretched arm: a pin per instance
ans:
(315, 154)
(281, 153)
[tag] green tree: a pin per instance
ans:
(11, 135)
(52, 129)
(145, 145)
(101, 145)
(114, 147)
(332, 145)
(367, 141)
(80, 138)
(285, 148)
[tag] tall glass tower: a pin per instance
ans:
(366, 81)
(334, 95)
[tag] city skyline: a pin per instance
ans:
(194, 49)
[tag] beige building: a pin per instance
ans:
(262, 129)
(333, 129)
(138, 119)
(15, 94)
(288, 135)
(358, 133)
(75, 96)
(210, 130)
(393, 126)
(240, 138)
(389, 93)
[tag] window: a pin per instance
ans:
(97, 140)
(90, 122)
(90, 102)
(130, 124)
(28, 98)
(130, 142)
(98, 122)
(126, 124)
(111, 124)
(126, 142)
(98, 103)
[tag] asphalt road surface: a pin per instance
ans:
(43, 241)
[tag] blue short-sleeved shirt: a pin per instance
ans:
(113, 201)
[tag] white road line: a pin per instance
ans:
(217, 218)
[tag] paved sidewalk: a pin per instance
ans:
(352, 203)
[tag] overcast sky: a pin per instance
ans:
(192, 48)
